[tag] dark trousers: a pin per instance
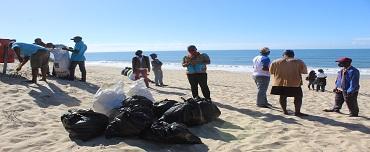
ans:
(72, 68)
(201, 80)
(351, 101)
(311, 83)
(297, 103)
(320, 87)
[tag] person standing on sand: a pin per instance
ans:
(261, 76)
(346, 87)
(311, 79)
(157, 69)
(321, 80)
(141, 66)
(77, 58)
(38, 55)
(287, 72)
(196, 64)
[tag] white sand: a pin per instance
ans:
(30, 117)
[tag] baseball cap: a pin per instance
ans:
(344, 59)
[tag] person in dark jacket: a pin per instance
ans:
(346, 87)
(157, 69)
(141, 66)
(311, 79)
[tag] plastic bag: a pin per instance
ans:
(130, 122)
(173, 133)
(61, 61)
(139, 88)
(188, 113)
(107, 99)
(161, 107)
(209, 110)
(84, 124)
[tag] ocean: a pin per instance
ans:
(241, 60)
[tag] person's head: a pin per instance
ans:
(321, 70)
(312, 72)
(288, 54)
(192, 49)
(344, 62)
(265, 51)
(153, 56)
(50, 45)
(139, 53)
(38, 41)
(76, 39)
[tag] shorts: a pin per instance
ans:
(287, 91)
(40, 59)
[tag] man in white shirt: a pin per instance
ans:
(261, 76)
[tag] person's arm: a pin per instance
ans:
(303, 68)
(134, 64)
(24, 61)
(185, 62)
(354, 82)
(265, 64)
(206, 59)
(272, 68)
(147, 63)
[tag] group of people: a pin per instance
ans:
(195, 64)
(39, 53)
(318, 79)
(287, 81)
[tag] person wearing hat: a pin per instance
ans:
(346, 87)
(77, 58)
(157, 69)
(196, 71)
(141, 66)
(287, 80)
(261, 76)
(38, 55)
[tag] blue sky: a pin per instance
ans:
(127, 25)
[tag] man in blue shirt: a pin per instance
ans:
(77, 58)
(346, 87)
(38, 55)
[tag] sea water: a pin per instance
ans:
(241, 60)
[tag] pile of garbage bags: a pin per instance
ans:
(137, 116)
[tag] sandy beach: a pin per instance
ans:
(30, 116)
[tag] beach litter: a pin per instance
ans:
(108, 98)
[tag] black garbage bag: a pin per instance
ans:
(125, 71)
(131, 121)
(188, 113)
(139, 101)
(84, 124)
(209, 110)
(159, 108)
(171, 133)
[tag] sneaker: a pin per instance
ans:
(263, 106)
(353, 115)
(331, 110)
(301, 114)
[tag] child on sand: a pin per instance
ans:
(321, 81)
(311, 79)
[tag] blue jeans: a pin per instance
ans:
(262, 83)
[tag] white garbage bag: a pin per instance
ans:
(61, 61)
(139, 88)
(108, 98)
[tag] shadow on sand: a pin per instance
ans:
(89, 87)
(168, 92)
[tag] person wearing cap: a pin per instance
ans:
(77, 58)
(39, 42)
(141, 66)
(38, 55)
(157, 69)
(346, 87)
(321, 80)
(287, 80)
(261, 76)
(196, 65)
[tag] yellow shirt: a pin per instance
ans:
(287, 72)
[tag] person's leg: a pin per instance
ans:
(298, 105)
(262, 85)
(204, 85)
(283, 103)
(35, 72)
(193, 84)
(160, 77)
(322, 88)
(44, 59)
(72, 68)
(81, 65)
(352, 104)
(144, 73)
(318, 87)
(156, 77)
(339, 100)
